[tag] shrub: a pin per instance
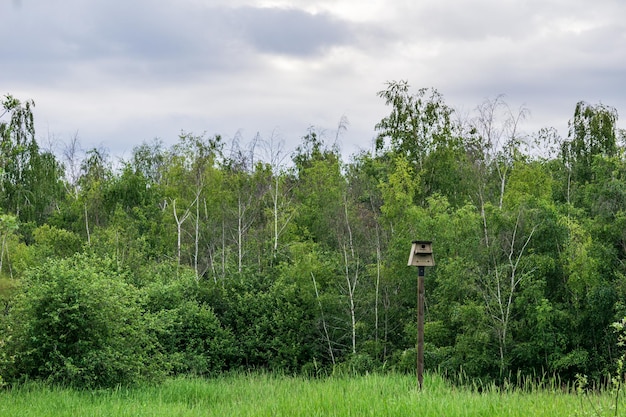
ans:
(188, 333)
(77, 322)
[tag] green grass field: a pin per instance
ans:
(265, 395)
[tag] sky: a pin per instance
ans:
(119, 73)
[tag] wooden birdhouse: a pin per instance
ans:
(421, 253)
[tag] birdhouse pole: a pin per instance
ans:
(421, 256)
(420, 326)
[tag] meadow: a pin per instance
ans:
(267, 395)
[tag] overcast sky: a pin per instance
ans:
(123, 72)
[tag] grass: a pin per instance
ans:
(266, 395)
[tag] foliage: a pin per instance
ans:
(187, 332)
(199, 258)
(77, 322)
(272, 321)
(30, 180)
(592, 132)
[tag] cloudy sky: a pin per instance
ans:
(121, 72)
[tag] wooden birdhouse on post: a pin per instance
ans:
(421, 256)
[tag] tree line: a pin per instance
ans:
(204, 257)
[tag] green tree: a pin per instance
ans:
(418, 123)
(91, 208)
(329, 215)
(421, 129)
(319, 191)
(192, 184)
(8, 284)
(30, 181)
(592, 131)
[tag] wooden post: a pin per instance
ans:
(420, 327)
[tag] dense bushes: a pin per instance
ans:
(273, 321)
(188, 334)
(80, 322)
(77, 322)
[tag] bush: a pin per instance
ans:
(77, 322)
(271, 321)
(190, 336)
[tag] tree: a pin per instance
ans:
(189, 184)
(96, 174)
(319, 191)
(499, 141)
(281, 193)
(149, 159)
(592, 131)
(247, 191)
(418, 123)
(420, 129)
(17, 146)
(30, 181)
(365, 175)
(502, 280)
(71, 161)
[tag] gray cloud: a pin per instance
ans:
(129, 71)
(151, 40)
(124, 37)
(291, 31)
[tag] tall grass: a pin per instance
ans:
(267, 395)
